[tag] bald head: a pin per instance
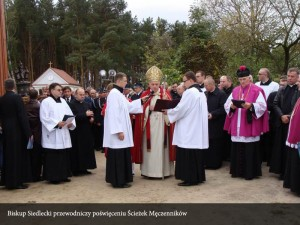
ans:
(263, 74)
(180, 89)
(80, 94)
(225, 82)
(209, 84)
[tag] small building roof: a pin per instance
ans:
(52, 75)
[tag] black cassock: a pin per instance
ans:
(227, 137)
(215, 104)
(267, 139)
(82, 152)
(16, 132)
(33, 113)
(97, 106)
(292, 170)
(284, 102)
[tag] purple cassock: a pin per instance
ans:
(258, 126)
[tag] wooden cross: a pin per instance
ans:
(50, 64)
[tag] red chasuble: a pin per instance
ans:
(137, 151)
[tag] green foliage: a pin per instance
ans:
(84, 36)
(199, 51)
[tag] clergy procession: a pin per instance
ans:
(53, 136)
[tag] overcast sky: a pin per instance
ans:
(171, 10)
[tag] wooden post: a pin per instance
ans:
(3, 49)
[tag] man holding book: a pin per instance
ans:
(153, 132)
(56, 140)
(245, 122)
(191, 132)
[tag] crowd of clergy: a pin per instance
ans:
(55, 134)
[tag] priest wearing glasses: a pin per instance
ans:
(56, 139)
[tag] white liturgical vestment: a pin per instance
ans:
(117, 120)
(191, 117)
(51, 113)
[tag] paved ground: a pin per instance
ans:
(219, 188)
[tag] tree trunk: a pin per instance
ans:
(3, 51)
(30, 61)
(286, 60)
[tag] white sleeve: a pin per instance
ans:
(228, 104)
(114, 113)
(135, 106)
(260, 106)
(181, 109)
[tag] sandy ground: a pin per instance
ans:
(219, 188)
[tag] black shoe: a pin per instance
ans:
(75, 174)
(21, 186)
(67, 180)
(37, 179)
(122, 186)
(86, 172)
(184, 183)
(54, 182)
(126, 186)
(187, 184)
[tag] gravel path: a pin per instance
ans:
(219, 188)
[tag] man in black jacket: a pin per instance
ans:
(82, 153)
(173, 92)
(284, 102)
(216, 117)
(226, 84)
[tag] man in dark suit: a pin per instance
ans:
(138, 89)
(67, 94)
(16, 133)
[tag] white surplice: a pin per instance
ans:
(156, 161)
(117, 120)
(268, 89)
(191, 117)
(51, 113)
(260, 107)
